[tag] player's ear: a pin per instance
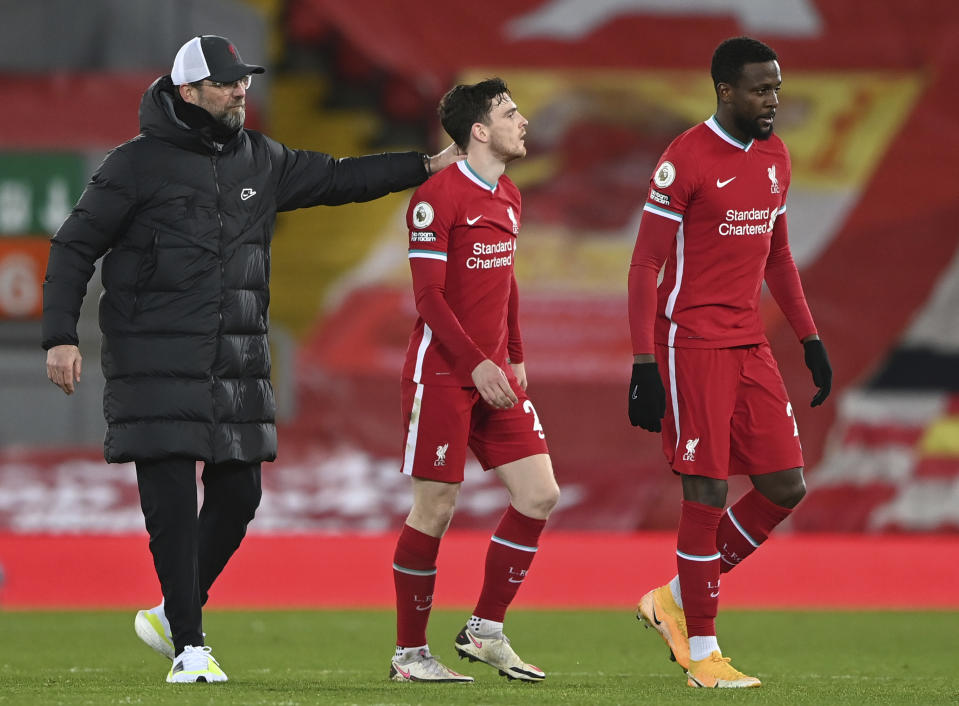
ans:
(724, 92)
(187, 92)
(479, 132)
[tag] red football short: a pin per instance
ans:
(727, 412)
(441, 422)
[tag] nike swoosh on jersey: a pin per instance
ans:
(721, 184)
(471, 221)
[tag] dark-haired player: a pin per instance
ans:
(715, 216)
(464, 385)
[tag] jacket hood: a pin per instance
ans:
(158, 118)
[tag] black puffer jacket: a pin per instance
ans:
(186, 225)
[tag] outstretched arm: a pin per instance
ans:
(306, 178)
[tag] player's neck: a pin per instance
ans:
(729, 126)
(486, 165)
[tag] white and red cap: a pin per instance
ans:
(210, 56)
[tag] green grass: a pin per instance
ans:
(281, 658)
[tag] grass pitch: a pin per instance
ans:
(286, 658)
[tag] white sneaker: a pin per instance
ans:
(195, 664)
(420, 665)
(154, 629)
(495, 651)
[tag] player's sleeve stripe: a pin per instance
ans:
(782, 210)
(414, 572)
(428, 255)
(744, 533)
(694, 557)
(514, 545)
(660, 211)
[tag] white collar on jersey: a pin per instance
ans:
(714, 125)
(467, 170)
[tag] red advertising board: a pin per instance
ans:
(23, 264)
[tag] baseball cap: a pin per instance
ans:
(210, 56)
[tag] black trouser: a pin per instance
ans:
(190, 551)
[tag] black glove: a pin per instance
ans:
(647, 398)
(818, 363)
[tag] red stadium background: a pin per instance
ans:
(869, 113)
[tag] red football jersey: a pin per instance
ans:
(461, 249)
(715, 212)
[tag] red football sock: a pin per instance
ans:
(698, 564)
(511, 551)
(745, 526)
(414, 575)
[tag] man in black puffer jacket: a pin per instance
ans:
(184, 214)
